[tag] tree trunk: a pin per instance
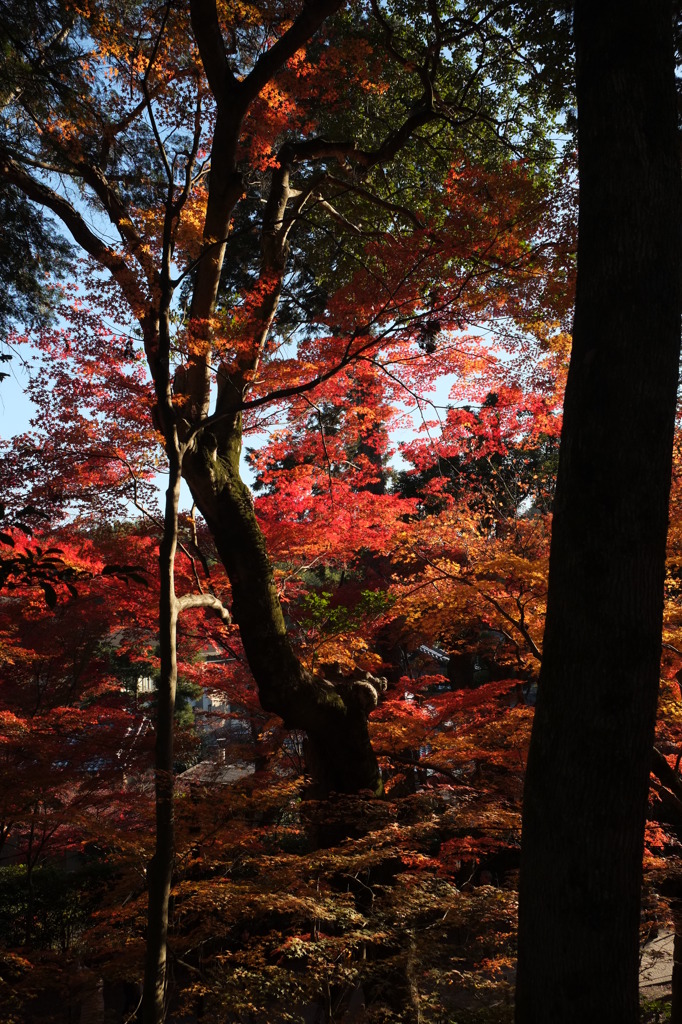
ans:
(339, 753)
(160, 868)
(588, 768)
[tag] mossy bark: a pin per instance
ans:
(334, 717)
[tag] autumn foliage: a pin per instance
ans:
(333, 256)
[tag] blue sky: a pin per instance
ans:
(15, 406)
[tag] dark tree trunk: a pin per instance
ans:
(588, 768)
(160, 867)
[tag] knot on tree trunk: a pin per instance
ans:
(362, 694)
(338, 750)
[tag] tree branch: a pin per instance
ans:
(204, 601)
(40, 193)
(206, 28)
(312, 16)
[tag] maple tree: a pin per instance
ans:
(239, 331)
(74, 736)
(491, 457)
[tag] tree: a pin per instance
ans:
(458, 563)
(590, 754)
(283, 187)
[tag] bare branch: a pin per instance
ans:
(204, 601)
(384, 204)
(119, 217)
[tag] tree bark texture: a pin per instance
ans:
(588, 768)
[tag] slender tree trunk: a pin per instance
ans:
(588, 768)
(160, 869)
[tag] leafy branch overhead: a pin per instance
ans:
(25, 563)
